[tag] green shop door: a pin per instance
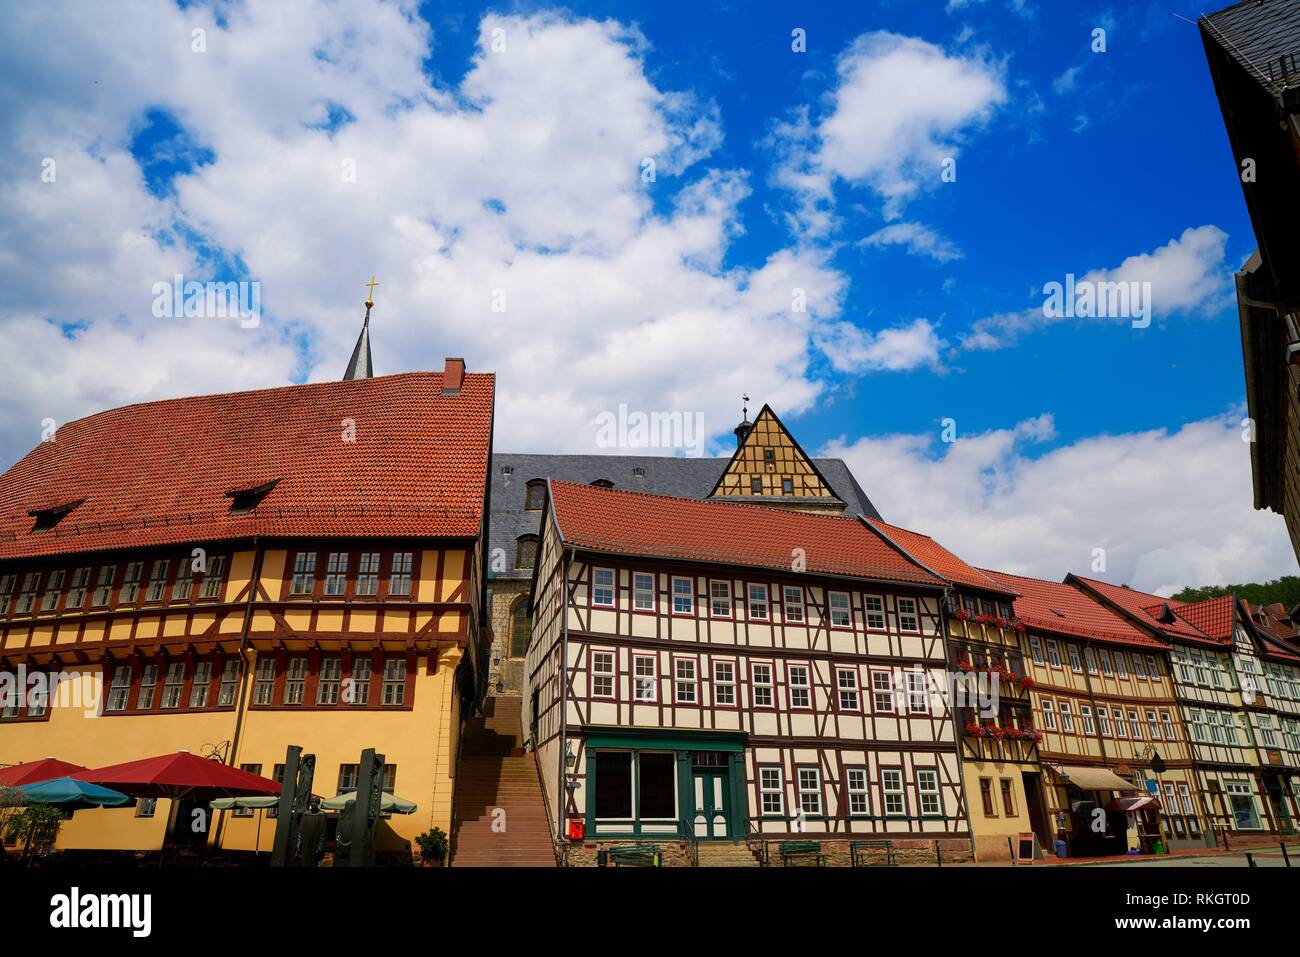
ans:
(712, 790)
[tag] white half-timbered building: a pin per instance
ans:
(715, 671)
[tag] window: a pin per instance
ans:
(792, 596)
(683, 596)
(787, 486)
(295, 679)
(53, 589)
(882, 692)
(1135, 724)
(525, 551)
(120, 689)
(719, 599)
(1138, 668)
(183, 586)
(846, 680)
(724, 683)
(246, 811)
(1153, 725)
(1053, 654)
(602, 674)
(645, 674)
(1103, 721)
(1107, 668)
(348, 774)
(1121, 664)
(6, 592)
(1076, 663)
(769, 456)
(800, 686)
(918, 701)
(907, 617)
(201, 684)
(359, 690)
(27, 594)
(927, 788)
(643, 591)
(173, 684)
(855, 783)
(986, 797)
(892, 786)
(758, 603)
(304, 574)
(841, 616)
(1168, 723)
(1090, 659)
(1121, 729)
(771, 790)
(131, 583)
(368, 574)
(76, 594)
(104, 586)
(1089, 727)
(1067, 718)
(264, 680)
(1008, 798)
(656, 774)
(684, 673)
(521, 628)
(1036, 649)
(212, 578)
(1242, 803)
(810, 791)
(145, 807)
(761, 680)
(148, 685)
(874, 606)
(329, 680)
(1049, 715)
(602, 587)
(1153, 669)
(336, 573)
(229, 683)
(399, 574)
(394, 686)
(535, 495)
(756, 486)
(158, 580)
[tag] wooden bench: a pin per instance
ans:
(635, 855)
(859, 852)
(798, 849)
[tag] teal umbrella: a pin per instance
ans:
(391, 803)
(71, 794)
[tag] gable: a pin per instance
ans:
(768, 458)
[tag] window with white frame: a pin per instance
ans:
(685, 680)
(393, 686)
(1053, 653)
(891, 784)
(1135, 724)
(918, 700)
(362, 672)
(104, 586)
(1138, 668)
(719, 599)
(1036, 649)
(1049, 715)
(368, 574)
(304, 574)
(399, 573)
(7, 583)
(810, 790)
(800, 686)
(602, 674)
(846, 680)
(874, 606)
(201, 684)
(882, 692)
(645, 677)
(841, 615)
(229, 683)
(173, 684)
(724, 683)
(336, 573)
(761, 679)
(1168, 722)
(602, 587)
(643, 591)
(683, 596)
(76, 591)
(1076, 663)
(758, 608)
(1121, 664)
(183, 586)
(927, 789)
(212, 577)
(1090, 659)
(53, 590)
(131, 583)
(1153, 725)
(158, 580)
(1121, 728)
(908, 619)
(1103, 722)
(771, 789)
(329, 680)
(120, 689)
(855, 783)
(1107, 668)
(1153, 669)
(264, 680)
(1085, 713)
(792, 604)
(27, 594)
(1067, 718)
(295, 679)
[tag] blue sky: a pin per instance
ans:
(208, 140)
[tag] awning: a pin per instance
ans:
(1132, 804)
(1096, 779)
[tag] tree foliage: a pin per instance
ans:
(1285, 590)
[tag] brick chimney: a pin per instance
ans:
(453, 376)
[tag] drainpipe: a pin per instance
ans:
(1087, 684)
(561, 798)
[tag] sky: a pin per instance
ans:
(852, 212)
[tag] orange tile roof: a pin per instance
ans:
(1146, 608)
(637, 523)
(1057, 607)
(1214, 616)
(157, 473)
(935, 557)
(1277, 630)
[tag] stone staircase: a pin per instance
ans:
(726, 854)
(498, 818)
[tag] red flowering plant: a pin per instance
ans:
(965, 666)
(977, 730)
(1026, 681)
(996, 733)
(963, 614)
(1019, 627)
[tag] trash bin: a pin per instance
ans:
(1061, 849)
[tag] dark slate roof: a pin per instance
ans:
(359, 366)
(664, 475)
(1264, 37)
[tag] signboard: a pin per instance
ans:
(1152, 786)
(1025, 848)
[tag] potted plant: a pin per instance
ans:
(433, 847)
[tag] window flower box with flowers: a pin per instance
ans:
(999, 733)
(1003, 673)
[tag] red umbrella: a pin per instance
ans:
(33, 772)
(179, 775)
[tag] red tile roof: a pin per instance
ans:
(935, 557)
(1278, 631)
(1146, 608)
(157, 473)
(1214, 616)
(636, 523)
(1080, 614)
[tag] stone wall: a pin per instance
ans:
(505, 674)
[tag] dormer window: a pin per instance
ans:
(47, 518)
(246, 499)
(603, 483)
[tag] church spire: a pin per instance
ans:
(359, 366)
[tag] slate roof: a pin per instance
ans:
(1062, 609)
(675, 476)
(729, 533)
(1263, 36)
(159, 472)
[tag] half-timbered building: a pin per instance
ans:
(233, 574)
(711, 671)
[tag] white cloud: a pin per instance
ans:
(1067, 80)
(917, 238)
(1189, 276)
(900, 349)
(901, 107)
(1170, 508)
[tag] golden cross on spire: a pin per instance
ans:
(370, 291)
